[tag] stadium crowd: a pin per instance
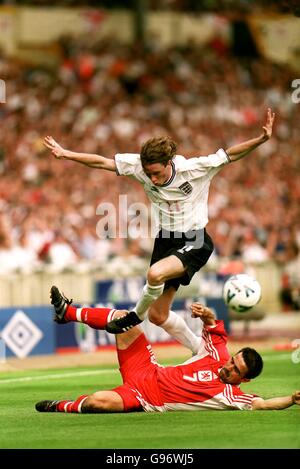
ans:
(224, 6)
(108, 98)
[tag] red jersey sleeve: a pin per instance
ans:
(234, 398)
(215, 340)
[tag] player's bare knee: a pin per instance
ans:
(155, 275)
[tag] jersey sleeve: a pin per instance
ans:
(214, 339)
(235, 399)
(207, 165)
(127, 164)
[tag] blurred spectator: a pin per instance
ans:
(26, 258)
(180, 5)
(8, 262)
(252, 252)
(61, 255)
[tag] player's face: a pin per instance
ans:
(234, 370)
(158, 173)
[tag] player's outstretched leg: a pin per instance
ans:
(46, 406)
(133, 318)
(60, 303)
(61, 406)
(97, 318)
(123, 324)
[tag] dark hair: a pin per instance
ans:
(253, 362)
(158, 150)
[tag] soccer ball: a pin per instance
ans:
(241, 292)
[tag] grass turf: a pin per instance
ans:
(23, 427)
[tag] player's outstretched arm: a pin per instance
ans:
(94, 161)
(211, 334)
(242, 149)
(276, 403)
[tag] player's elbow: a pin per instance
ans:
(106, 163)
(258, 404)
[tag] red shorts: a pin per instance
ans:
(138, 369)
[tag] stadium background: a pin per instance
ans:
(103, 77)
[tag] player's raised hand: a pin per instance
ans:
(204, 313)
(267, 128)
(55, 148)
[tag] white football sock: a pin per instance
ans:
(150, 294)
(176, 326)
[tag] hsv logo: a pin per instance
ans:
(21, 335)
(204, 375)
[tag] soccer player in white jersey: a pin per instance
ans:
(208, 381)
(178, 189)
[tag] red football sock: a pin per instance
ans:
(97, 318)
(71, 406)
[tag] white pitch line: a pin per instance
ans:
(56, 376)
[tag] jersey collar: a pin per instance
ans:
(171, 178)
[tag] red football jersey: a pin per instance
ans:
(195, 384)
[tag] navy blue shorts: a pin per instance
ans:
(193, 248)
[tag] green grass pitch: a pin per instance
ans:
(23, 427)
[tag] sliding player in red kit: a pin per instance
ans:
(209, 380)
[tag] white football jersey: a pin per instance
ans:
(181, 204)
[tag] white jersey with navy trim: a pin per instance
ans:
(181, 204)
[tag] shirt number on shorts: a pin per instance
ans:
(186, 249)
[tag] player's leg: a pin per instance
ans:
(111, 401)
(159, 310)
(136, 359)
(100, 401)
(160, 313)
(103, 401)
(151, 291)
(64, 312)
(175, 269)
(179, 257)
(161, 271)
